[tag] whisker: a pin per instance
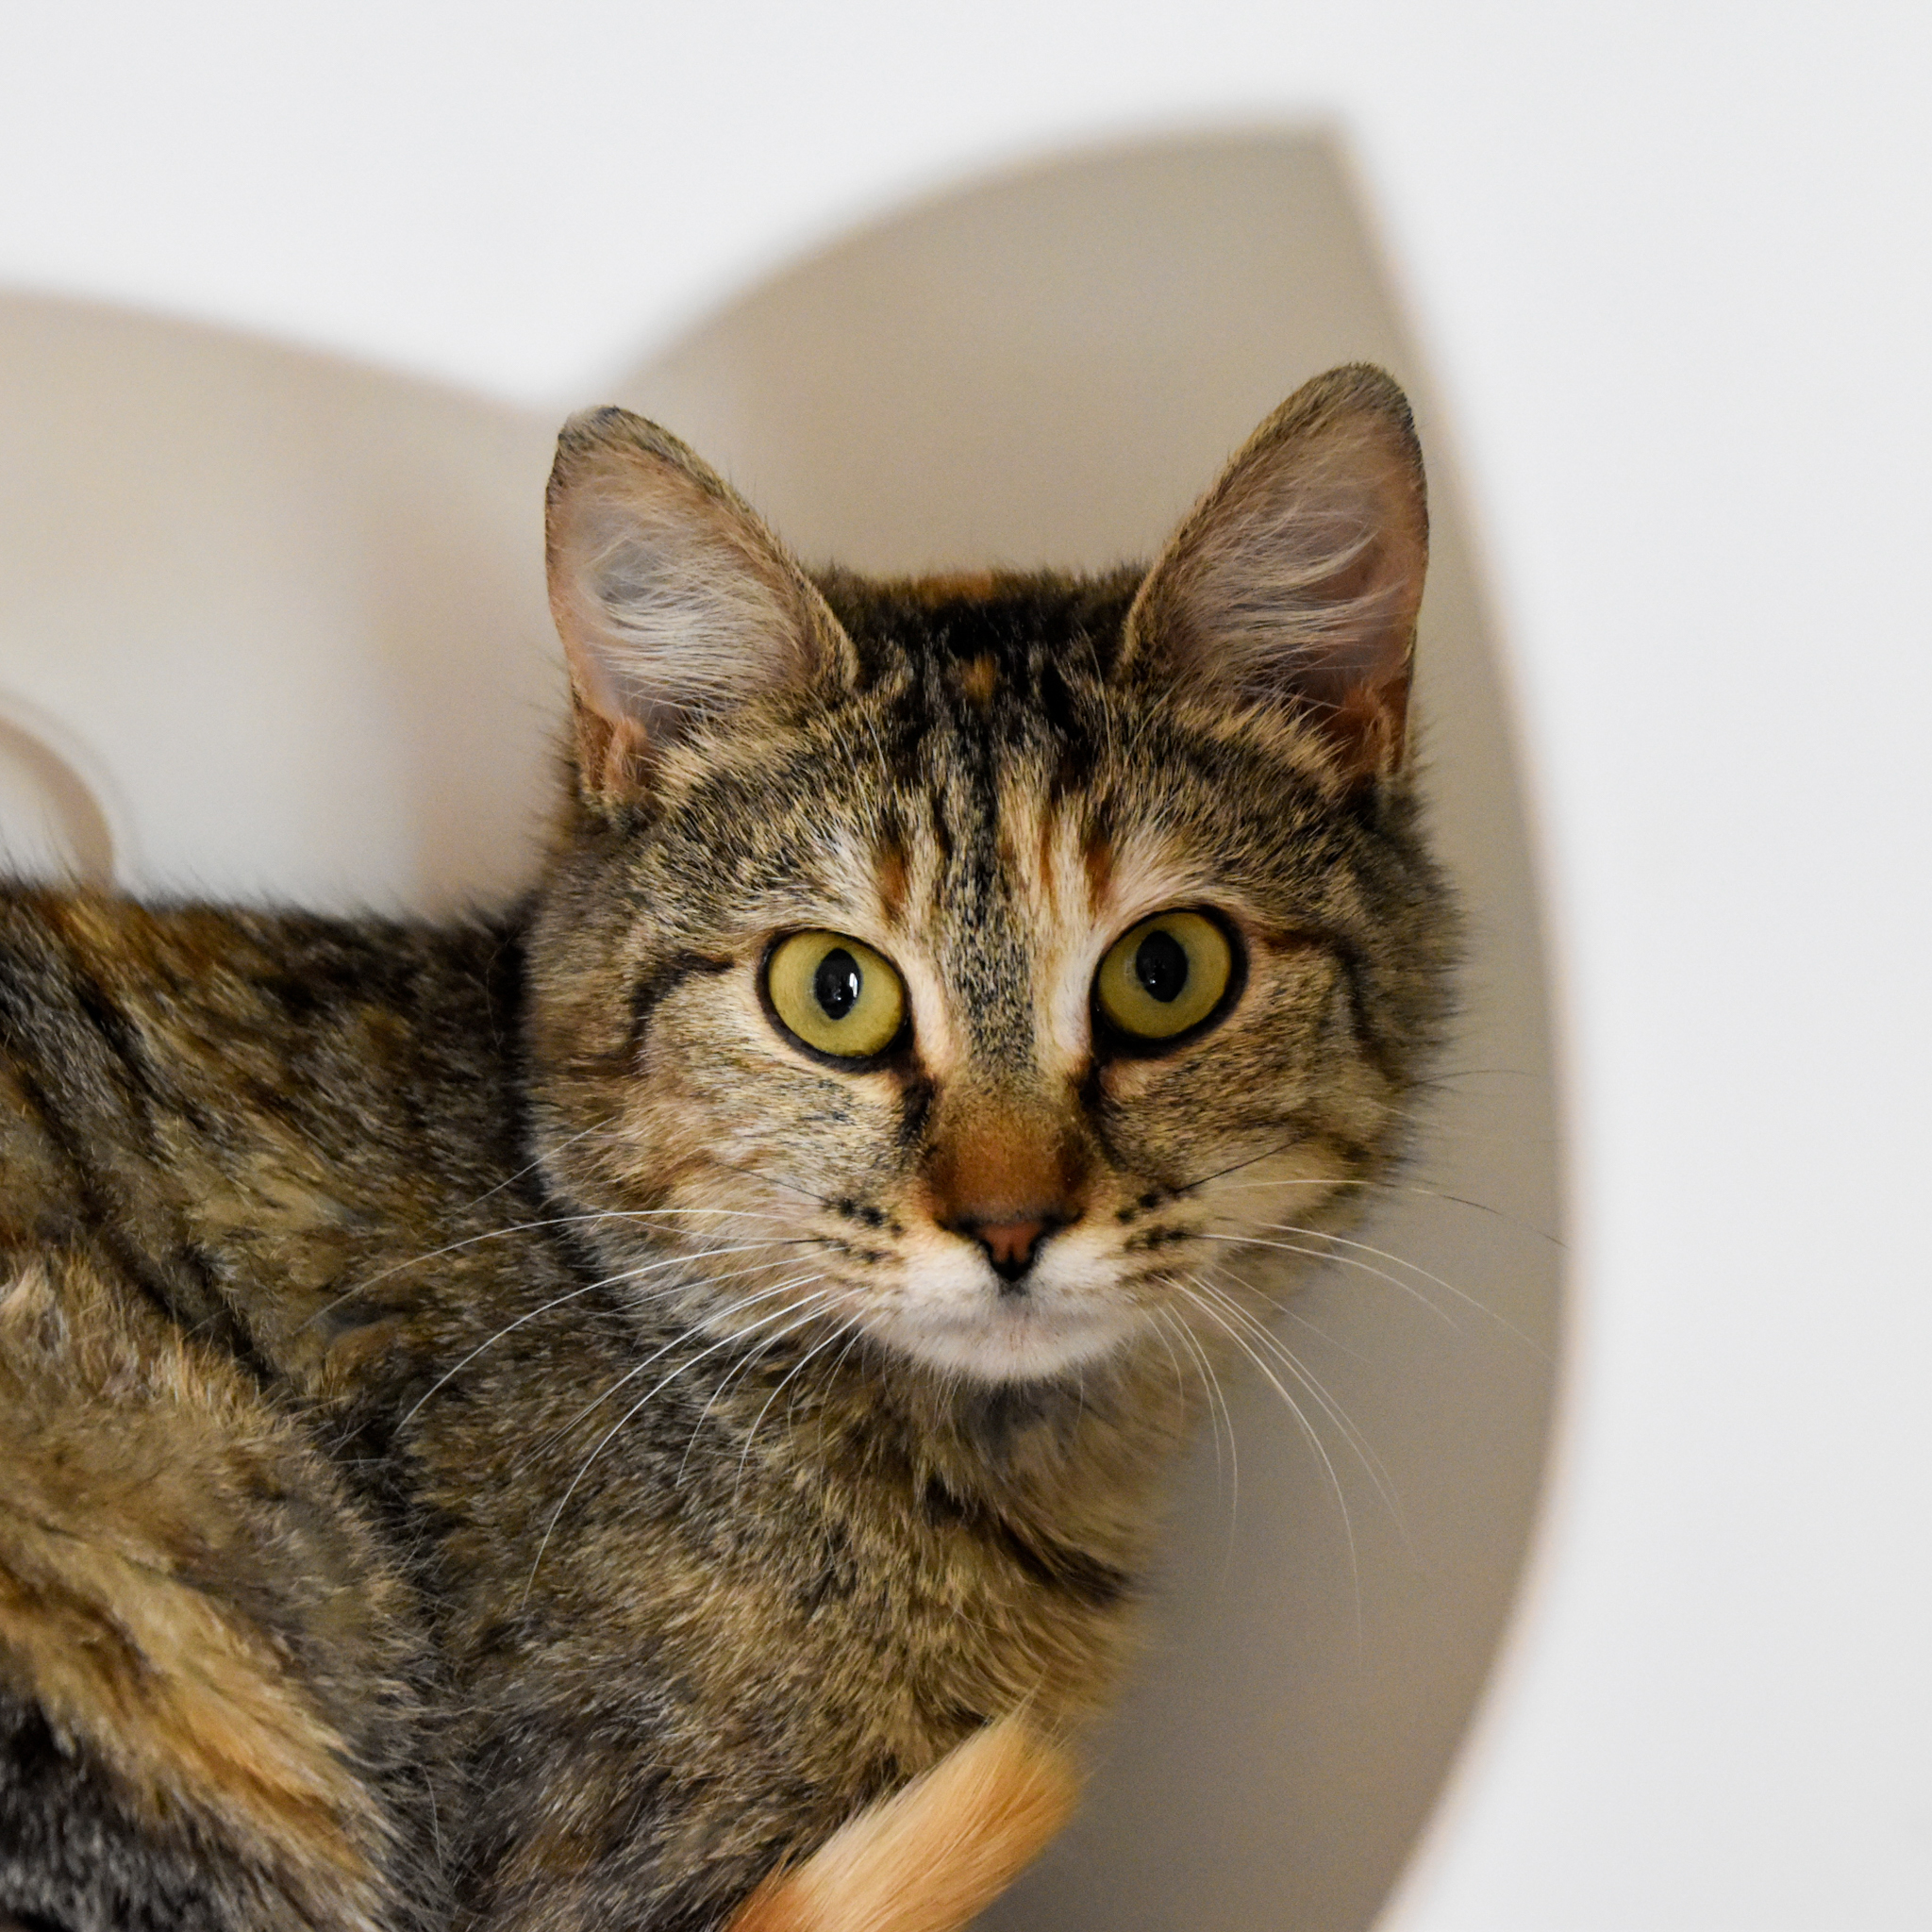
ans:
(775, 1181)
(1401, 1261)
(364, 1285)
(1180, 1381)
(1222, 1418)
(758, 1420)
(845, 1329)
(684, 1334)
(857, 1327)
(1308, 1429)
(737, 1368)
(725, 1381)
(599, 1214)
(1290, 1314)
(1217, 1416)
(531, 1167)
(557, 1302)
(608, 1281)
(1342, 1240)
(604, 1441)
(1236, 1166)
(1425, 1193)
(1407, 1288)
(1377, 1470)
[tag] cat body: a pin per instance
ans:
(543, 1420)
(814, 1627)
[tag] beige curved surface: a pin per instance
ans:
(293, 608)
(54, 817)
(288, 609)
(1048, 369)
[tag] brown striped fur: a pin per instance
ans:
(494, 1435)
(124, 1567)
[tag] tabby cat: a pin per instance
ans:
(648, 1410)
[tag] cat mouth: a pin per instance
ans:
(1012, 1337)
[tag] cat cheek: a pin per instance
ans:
(1132, 1083)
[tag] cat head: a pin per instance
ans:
(968, 966)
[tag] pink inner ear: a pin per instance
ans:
(665, 610)
(1298, 577)
(675, 603)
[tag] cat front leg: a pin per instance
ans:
(933, 1856)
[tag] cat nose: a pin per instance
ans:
(1010, 1246)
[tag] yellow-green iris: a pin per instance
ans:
(1165, 975)
(836, 993)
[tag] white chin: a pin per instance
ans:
(1011, 1343)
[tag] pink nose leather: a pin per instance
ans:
(1010, 1243)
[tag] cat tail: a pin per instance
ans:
(932, 1855)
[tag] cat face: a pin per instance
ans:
(964, 965)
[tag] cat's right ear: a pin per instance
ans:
(675, 605)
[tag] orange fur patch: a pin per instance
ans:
(955, 585)
(932, 1856)
(1096, 853)
(184, 1702)
(895, 882)
(186, 1708)
(989, 1163)
(978, 678)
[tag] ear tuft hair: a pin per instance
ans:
(1296, 579)
(675, 605)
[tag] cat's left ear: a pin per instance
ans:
(675, 605)
(1296, 579)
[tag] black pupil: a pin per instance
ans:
(1161, 965)
(836, 984)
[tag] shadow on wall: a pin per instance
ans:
(271, 624)
(283, 615)
(1048, 368)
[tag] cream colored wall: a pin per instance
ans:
(282, 614)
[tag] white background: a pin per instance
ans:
(1669, 267)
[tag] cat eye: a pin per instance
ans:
(835, 994)
(1166, 976)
